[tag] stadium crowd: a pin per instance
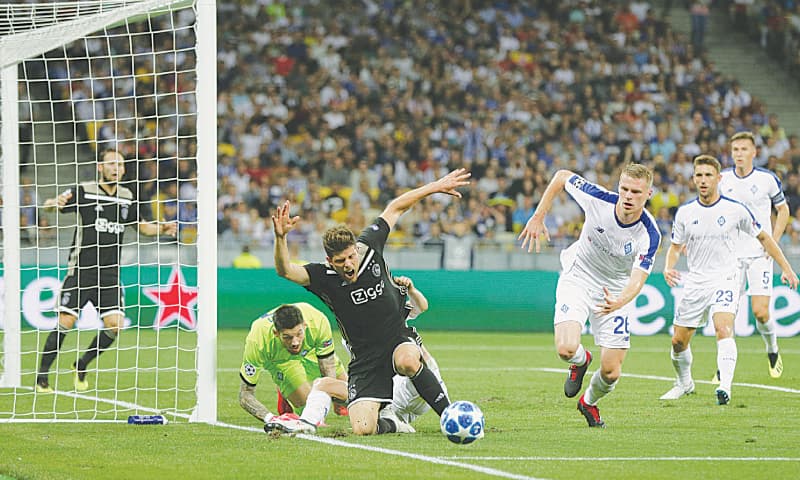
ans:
(339, 106)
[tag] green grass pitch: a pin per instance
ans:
(533, 431)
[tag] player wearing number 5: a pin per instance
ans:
(709, 228)
(602, 272)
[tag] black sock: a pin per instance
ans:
(99, 345)
(54, 341)
(386, 426)
(430, 389)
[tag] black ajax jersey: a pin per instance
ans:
(101, 223)
(371, 310)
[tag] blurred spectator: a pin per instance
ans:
(246, 260)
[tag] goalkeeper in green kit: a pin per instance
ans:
(294, 343)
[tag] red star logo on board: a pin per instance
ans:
(175, 300)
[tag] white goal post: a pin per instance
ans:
(78, 78)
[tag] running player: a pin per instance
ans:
(602, 272)
(710, 227)
(760, 191)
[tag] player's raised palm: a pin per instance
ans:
(282, 222)
(453, 180)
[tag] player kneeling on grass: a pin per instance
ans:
(355, 283)
(407, 404)
(709, 227)
(294, 343)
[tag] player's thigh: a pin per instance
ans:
(692, 310)
(612, 331)
(334, 387)
(364, 417)
(725, 296)
(371, 380)
(110, 299)
(69, 299)
(573, 302)
(759, 273)
(290, 376)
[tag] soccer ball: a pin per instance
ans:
(462, 422)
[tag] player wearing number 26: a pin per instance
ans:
(709, 228)
(602, 272)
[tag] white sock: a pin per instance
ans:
(682, 363)
(317, 406)
(598, 388)
(580, 356)
(726, 362)
(767, 331)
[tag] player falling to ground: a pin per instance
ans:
(710, 227)
(358, 287)
(760, 191)
(602, 272)
(105, 210)
(406, 404)
(294, 343)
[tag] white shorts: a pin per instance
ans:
(576, 303)
(757, 272)
(699, 303)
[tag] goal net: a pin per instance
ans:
(108, 287)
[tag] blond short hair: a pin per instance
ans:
(743, 136)
(637, 170)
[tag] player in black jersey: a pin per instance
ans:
(105, 210)
(369, 308)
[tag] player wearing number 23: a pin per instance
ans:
(709, 228)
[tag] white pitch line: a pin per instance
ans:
(424, 458)
(635, 459)
(562, 371)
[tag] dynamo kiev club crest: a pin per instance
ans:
(721, 221)
(628, 248)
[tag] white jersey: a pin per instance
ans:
(711, 234)
(607, 250)
(759, 192)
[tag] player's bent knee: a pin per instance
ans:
(565, 352)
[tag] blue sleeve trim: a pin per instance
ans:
(590, 188)
(646, 263)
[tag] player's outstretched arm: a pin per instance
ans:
(282, 225)
(248, 401)
(155, 228)
(671, 275)
(447, 184)
(787, 275)
(58, 201)
(535, 230)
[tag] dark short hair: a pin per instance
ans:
(337, 239)
(707, 160)
(286, 317)
(743, 136)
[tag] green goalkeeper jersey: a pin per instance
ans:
(263, 349)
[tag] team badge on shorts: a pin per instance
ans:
(351, 393)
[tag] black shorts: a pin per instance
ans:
(82, 287)
(371, 378)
